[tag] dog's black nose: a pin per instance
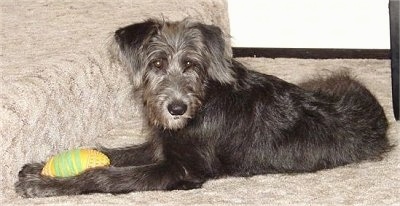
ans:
(177, 108)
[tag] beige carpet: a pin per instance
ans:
(58, 91)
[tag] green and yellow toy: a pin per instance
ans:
(74, 162)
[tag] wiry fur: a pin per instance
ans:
(211, 117)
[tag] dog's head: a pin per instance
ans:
(172, 63)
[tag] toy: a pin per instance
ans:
(74, 162)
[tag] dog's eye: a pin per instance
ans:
(188, 64)
(159, 63)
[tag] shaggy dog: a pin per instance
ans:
(210, 117)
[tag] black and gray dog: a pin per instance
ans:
(211, 117)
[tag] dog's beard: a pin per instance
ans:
(158, 115)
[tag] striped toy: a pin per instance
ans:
(74, 162)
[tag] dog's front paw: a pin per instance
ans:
(31, 169)
(32, 184)
(28, 179)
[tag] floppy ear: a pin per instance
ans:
(132, 37)
(217, 52)
(130, 40)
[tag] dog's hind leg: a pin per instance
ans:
(361, 120)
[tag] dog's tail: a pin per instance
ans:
(357, 109)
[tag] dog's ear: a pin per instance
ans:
(130, 41)
(133, 36)
(214, 41)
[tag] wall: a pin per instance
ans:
(362, 24)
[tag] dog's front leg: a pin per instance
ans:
(161, 176)
(136, 155)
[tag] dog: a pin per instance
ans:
(210, 117)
